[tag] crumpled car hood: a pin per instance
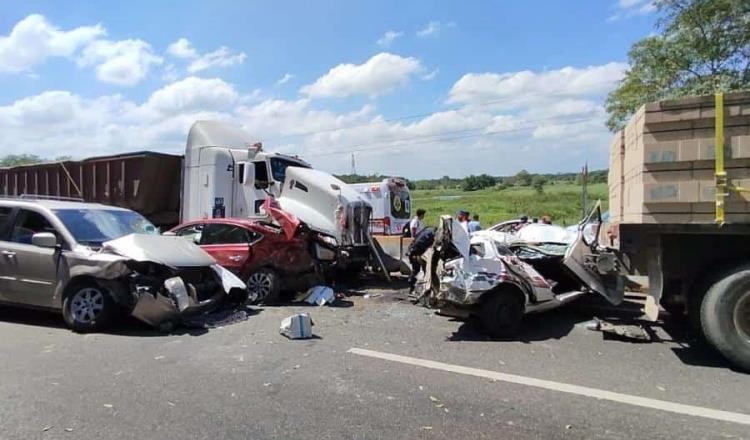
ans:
(167, 250)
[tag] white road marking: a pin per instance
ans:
(627, 399)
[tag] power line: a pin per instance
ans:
(424, 139)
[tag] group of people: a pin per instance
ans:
(465, 219)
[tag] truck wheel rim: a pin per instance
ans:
(742, 317)
(87, 304)
(259, 284)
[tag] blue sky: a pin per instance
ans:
(418, 88)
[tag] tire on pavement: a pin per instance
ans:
(502, 313)
(87, 307)
(725, 316)
(264, 284)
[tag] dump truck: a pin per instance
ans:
(678, 196)
(222, 174)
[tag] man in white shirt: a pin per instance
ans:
(463, 219)
(417, 223)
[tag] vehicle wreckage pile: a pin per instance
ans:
(512, 269)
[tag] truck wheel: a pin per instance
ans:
(263, 284)
(501, 314)
(725, 317)
(88, 308)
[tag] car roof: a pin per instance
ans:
(55, 204)
(242, 221)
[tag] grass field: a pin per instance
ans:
(561, 201)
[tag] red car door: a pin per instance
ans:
(228, 244)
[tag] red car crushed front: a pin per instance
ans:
(259, 252)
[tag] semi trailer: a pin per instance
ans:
(679, 213)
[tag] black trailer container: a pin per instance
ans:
(146, 182)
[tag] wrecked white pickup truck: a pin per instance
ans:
(501, 276)
(94, 261)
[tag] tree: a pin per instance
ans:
(523, 178)
(703, 47)
(538, 183)
(12, 160)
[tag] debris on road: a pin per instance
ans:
(320, 295)
(297, 326)
(373, 295)
(634, 333)
(46, 428)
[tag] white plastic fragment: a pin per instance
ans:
(297, 326)
(320, 295)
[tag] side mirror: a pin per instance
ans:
(44, 239)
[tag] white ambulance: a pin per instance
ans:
(391, 205)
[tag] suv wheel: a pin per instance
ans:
(88, 308)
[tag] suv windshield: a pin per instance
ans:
(279, 166)
(95, 226)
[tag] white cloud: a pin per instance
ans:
(388, 38)
(193, 94)
(382, 73)
(124, 63)
(33, 40)
(431, 75)
(221, 57)
(182, 49)
(525, 86)
(284, 79)
(630, 8)
(433, 29)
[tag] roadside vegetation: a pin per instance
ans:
(559, 200)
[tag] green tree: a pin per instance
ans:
(703, 46)
(523, 178)
(12, 160)
(538, 183)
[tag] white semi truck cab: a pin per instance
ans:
(226, 175)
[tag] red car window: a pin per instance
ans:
(215, 233)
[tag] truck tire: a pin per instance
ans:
(501, 314)
(725, 316)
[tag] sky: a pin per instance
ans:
(416, 89)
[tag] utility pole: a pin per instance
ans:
(584, 189)
(354, 168)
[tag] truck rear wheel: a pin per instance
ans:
(725, 317)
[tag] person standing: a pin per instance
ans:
(463, 219)
(417, 248)
(474, 224)
(417, 223)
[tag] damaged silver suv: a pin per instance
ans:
(94, 261)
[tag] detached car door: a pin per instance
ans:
(228, 244)
(598, 268)
(29, 273)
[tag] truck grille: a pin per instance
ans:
(358, 223)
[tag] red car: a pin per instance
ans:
(256, 251)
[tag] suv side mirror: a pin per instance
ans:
(44, 239)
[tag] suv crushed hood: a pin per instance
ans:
(167, 250)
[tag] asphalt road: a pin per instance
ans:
(245, 381)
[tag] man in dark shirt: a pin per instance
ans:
(416, 249)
